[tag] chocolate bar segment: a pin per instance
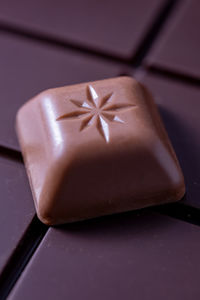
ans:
(96, 148)
(113, 27)
(129, 256)
(178, 47)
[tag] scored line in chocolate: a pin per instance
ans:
(98, 110)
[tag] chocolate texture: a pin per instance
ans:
(136, 255)
(96, 148)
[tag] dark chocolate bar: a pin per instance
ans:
(177, 48)
(128, 256)
(100, 25)
(16, 207)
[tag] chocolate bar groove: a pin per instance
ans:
(20, 258)
(11, 154)
(153, 32)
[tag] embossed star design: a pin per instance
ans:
(97, 110)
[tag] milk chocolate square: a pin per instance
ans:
(96, 148)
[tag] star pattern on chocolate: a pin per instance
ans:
(98, 110)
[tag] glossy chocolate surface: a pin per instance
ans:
(96, 148)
